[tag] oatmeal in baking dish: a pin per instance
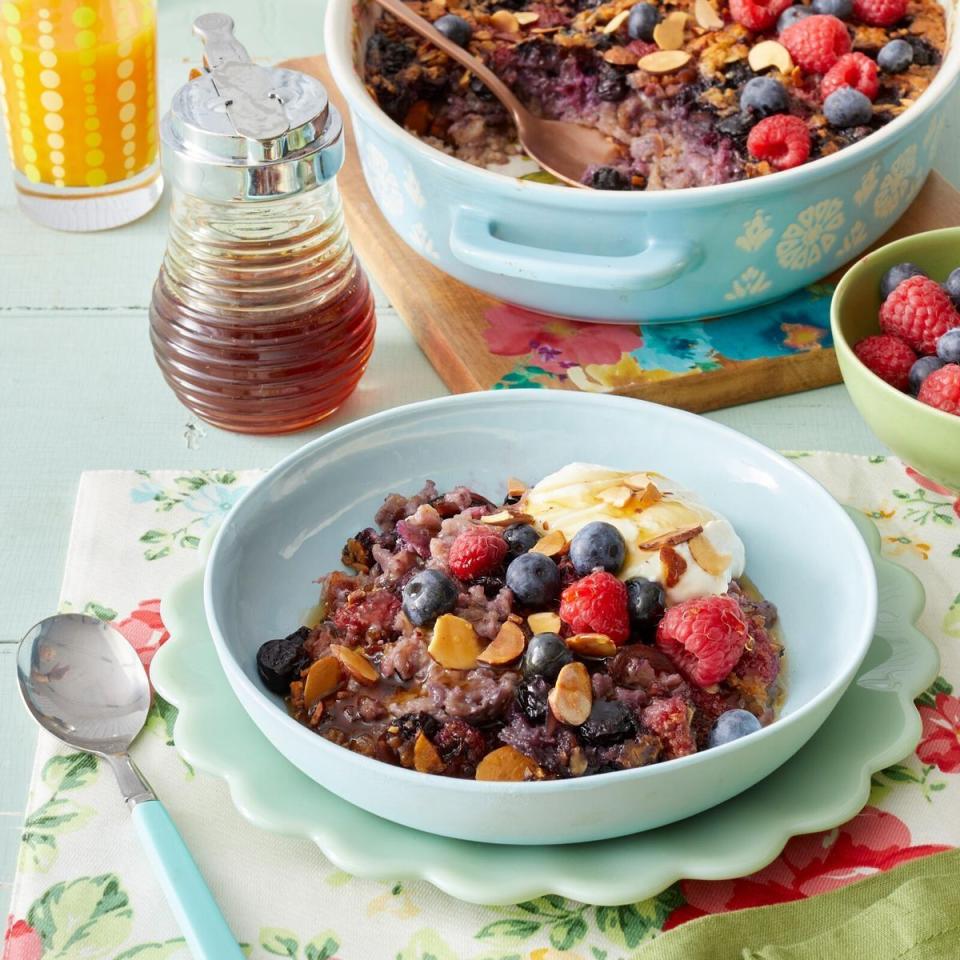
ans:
(597, 622)
(695, 92)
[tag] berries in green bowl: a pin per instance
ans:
(889, 324)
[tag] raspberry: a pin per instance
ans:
(705, 637)
(782, 139)
(757, 14)
(816, 43)
(942, 389)
(597, 603)
(855, 70)
(889, 357)
(920, 312)
(476, 551)
(670, 720)
(879, 13)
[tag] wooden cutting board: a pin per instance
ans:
(476, 342)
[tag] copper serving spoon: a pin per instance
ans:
(563, 149)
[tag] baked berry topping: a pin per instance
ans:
(534, 579)
(757, 14)
(791, 15)
(816, 43)
(645, 603)
(597, 603)
(948, 346)
(598, 544)
(763, 97)
(895, 56)
(280, 661)
(847, 107)
(454, 28)
(841, 9)
(520, 538)
(855, 70)
(642, 20)
(610, 722)
(731, 726)
(952, 287)
(545, 656)
(782, 140)
(880, 13)
(476, 552)
(428, 595)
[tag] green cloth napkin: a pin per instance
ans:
(909, 913)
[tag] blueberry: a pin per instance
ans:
(545, 655)
(847, 107)
(534, 579)
(792, 15)
(645, 602)
(952, 286)
(598, 544)
(611, 84)
(764, 96)
(948, 346)
(895, 56)
(896, 275)
(732, 725)
(280, 661)
(454, 28)
(607, 178)
(643, 18)
(922, 369)
(532, 699)
(520, 538)
(427, 595)
(610, 721)
(841, 9)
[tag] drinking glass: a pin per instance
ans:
(79, 93)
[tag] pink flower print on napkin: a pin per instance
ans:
(940, 740)
(556, 343)
(144, 630)
(22, 942)
(817, 863)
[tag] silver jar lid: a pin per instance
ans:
(241, 131)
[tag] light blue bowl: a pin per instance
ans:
(803, 551)
(645, 256)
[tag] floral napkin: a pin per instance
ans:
(84, 892)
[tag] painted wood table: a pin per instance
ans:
(79, 389)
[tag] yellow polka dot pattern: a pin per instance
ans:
(78, 87)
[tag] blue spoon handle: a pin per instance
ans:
(188, 895)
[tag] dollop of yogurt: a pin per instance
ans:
(645, 507)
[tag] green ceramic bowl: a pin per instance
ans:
(927, 439)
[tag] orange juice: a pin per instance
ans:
(78, 85)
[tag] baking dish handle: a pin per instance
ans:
(472, 242)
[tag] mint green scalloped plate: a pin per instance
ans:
(827, 782)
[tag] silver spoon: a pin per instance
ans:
(84, 683)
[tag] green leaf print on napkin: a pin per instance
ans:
(85, 919)
(285, 943)
(427, 945)
(169, 950)
(951, 619)
(925, 507)
(59, 814)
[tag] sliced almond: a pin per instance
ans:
(571, 698)
(504, 518)
(508, 763)
(454, 644)
(550, 544)
(706, 15)
(515, 487)
(668, 33)
(356, 664)
(578, 762)
(544, 622)
(618, 496)
(323, 678)
(505, 21)
(617, 22)
(505, 647)
(527, 16)
(426, 759)
(592, 645)
(664, 61)
(672, 566)
(707, 557)
(646, 498)
(671, 539)
(769, 53)
(639, 481)
(620, 56)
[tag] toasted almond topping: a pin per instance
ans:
(551, 544)
(544, 622)
(572, 696)
(769, 53)
(671, 539)
(356, 664)
(672, 565)
(323, 678)
(707, 16)
(620, 56)
(527, 16)
(592, 645)
(618, 496)
(505, 518)
(506, 646)
(515, 618)
(639, 481)
(646, 498)
(668, 33)
(505, 21)
(425, 756)
(515, 487)
(706, 556)
(508, 763)
(578, 762)
(454, 644)
(664, 61)
(616, 22)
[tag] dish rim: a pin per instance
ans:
(338, 23)
(237, 675)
